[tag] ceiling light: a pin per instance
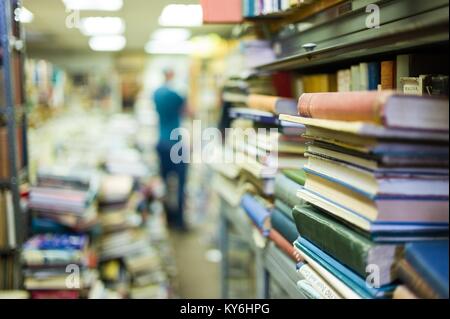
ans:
(94, 5)
(102, 26)
(171, 35)
(162, 47)
(108, 43)
(23, 15)
(182, 15)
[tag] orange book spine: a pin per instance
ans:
(344, 106)
(284, 245)
(388, 77)
(262, 102)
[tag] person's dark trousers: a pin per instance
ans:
(175, 215)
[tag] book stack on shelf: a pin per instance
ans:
(63, 207)
(412, 74)
(13, 145)
(46, 89)
(262, 8)
(64, 200)
(376, 178)
(58, 267)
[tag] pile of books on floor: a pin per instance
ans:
(130, 264)
(58, 267)
(64, 200)
(376, 179)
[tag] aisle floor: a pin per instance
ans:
(198, 277)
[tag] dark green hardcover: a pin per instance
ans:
(285, 226)
(333, 237)
(297, 175)
(286, 191)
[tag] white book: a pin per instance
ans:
(318, 283)
(337, 284)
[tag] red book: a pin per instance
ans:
(384, 108)
(220, 11)
(284, 245)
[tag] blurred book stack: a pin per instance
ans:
(376, 179)
(57, 267)
(63, 207)
(130, 264)
(64, 200)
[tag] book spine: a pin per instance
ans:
(286, 190)
(262, 102)
(339, 285)
(364, 77)
(284, 245)
(374, 75)
(284, 226)
(343, 244)
(305, 287)
(318, 283)
(344, 106)
(355, 77)
(388, 78)
(257, 213)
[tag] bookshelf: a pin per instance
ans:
(347, 38)
(318, 39)
(14, 124)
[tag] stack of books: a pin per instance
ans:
(130, 264)
(64, 200)
(376, 178)
(57, 266)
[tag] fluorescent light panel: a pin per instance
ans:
(94, 26)
(181, 15)
(171, 35)
(108, 43)
(94, 5)
(162, 47)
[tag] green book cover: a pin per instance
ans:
(297, 175)
(286, 191)
(343, 243)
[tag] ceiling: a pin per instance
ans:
(48, 31)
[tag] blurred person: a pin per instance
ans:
(171, 108)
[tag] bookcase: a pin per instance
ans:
(321, 42)
(13, 145)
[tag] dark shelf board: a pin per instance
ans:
(4, 184)
(8, 251)
(428, 28)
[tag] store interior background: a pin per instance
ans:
(132, 73)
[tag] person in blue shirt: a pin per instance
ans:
(171, 107)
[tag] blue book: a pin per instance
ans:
(430, 260)
(374, 75)
(249, 8)
(350, 278)
(254, 115)
(285, 226)
(257, 212)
